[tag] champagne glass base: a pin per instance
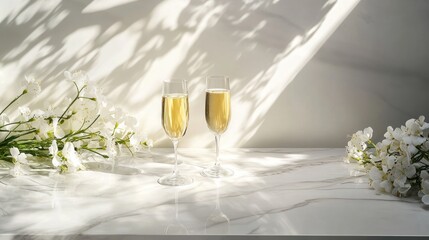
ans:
(217, 172)
(175, 180)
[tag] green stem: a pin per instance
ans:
(7, 159)
(129, 149)
(90, 125)
(79, 138)
(11, 138)
(114, 129)
(92, 99)
(74, 100)
(68, 136)
(17, 126)
(14, 100)
(16, 130)
(93, 151)
(62, 115)
(36, 152)
(370, 144)
(15, 123)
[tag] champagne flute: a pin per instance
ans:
(218, 113)
(175, 116)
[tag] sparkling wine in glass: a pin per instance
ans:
(175, 116)
(218, 114)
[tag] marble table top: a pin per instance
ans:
(273, 192)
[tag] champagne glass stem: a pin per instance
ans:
(217, 138)
(175, 170)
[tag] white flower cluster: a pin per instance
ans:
(400, 163)
(86, 122)
(357, 148)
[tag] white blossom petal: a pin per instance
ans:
(14, 152)
(375, 174)
(58, 131)
(425, 186)
(410, 171)
(386, 185)
(424, 174)
(425, 199)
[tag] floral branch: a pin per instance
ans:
(399, 163)
(41, 135)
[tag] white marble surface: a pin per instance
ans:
(273, 192)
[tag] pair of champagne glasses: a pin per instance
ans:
(175, 116)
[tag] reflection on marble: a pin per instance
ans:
(273, 192)
(175, 227)
(217, 222)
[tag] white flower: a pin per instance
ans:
(398, 160)
(58, 131)
(137, 140)
(42, 126)
(414, 140)
(424, 175)
(85, 112)
(33, 87)
(415, 127)
(367, 133)
(410, 171)
(393, 139)
(102, 125)
(17, 156)
(25, 112)
(53, 150)
(390, 161)
(421, 121)
(73, 161)
(357, 145)
(376, 177)
(386, 185)
(353, 152)
(135, 143)
(375, 174)
(396, 134)
(400, 183)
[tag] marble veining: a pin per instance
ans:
(273, 192)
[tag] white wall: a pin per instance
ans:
(304, 73)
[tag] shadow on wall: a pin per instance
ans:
(131, 46)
